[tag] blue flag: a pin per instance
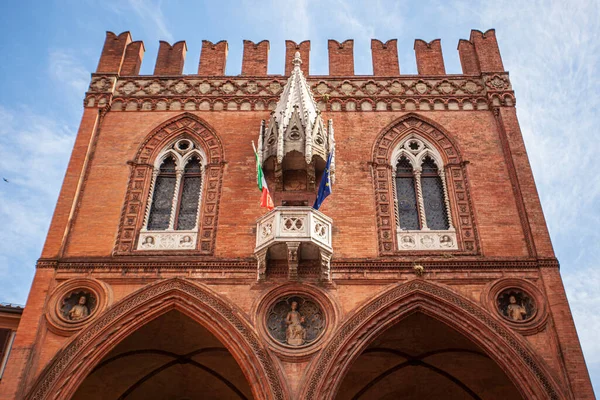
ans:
(324, 186)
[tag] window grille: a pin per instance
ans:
(164, 190)
(190, 195)
(407, 198)
(433, 196)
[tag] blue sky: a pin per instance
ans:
(551, 48)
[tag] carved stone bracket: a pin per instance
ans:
(292, 257)
(325, 258)
(261, 258)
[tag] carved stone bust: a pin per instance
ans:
(515, 305)
(78, 306)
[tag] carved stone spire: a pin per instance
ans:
(296, 123)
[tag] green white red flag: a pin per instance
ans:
(265, 198)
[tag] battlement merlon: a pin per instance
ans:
(122, 56)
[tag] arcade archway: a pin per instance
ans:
(431, 330)
(171, 357)
(422, 358)
(142, 326)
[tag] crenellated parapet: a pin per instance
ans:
(483, 84)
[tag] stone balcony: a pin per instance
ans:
(295, 234)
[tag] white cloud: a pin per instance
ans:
(584, 298)
(33, 154)
(152, 17)
(65, 68)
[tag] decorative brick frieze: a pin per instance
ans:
(331, 93)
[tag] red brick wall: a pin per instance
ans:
(134, 55)
(113, 52)
(290, 51)
(170, 59)
(475, 132)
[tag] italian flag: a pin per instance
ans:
(265, 198)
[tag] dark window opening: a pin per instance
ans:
(408, 212)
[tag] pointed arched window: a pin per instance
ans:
(164, 190)
(408, 213)
(174, 200)
(189, 200)
(423, 220)
(433, 196)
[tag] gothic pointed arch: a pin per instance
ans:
(442, 147)
(68, 369)
(510, 351)
(143, 174)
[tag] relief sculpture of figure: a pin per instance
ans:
(515, 311)
(295, 333)
(79, 310)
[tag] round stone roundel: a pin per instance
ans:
(515, 305)
(295, 321)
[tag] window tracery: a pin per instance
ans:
(422, 208)
(173, 208)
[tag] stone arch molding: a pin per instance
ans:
(510, 351)
(140, 179)
(385, 151)
(67, 370)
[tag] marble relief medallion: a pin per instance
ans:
(295, 321)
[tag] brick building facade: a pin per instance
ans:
(428, 273)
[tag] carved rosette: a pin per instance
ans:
(518, 303)
(75, 303)
(499, 89)
(101, 91)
